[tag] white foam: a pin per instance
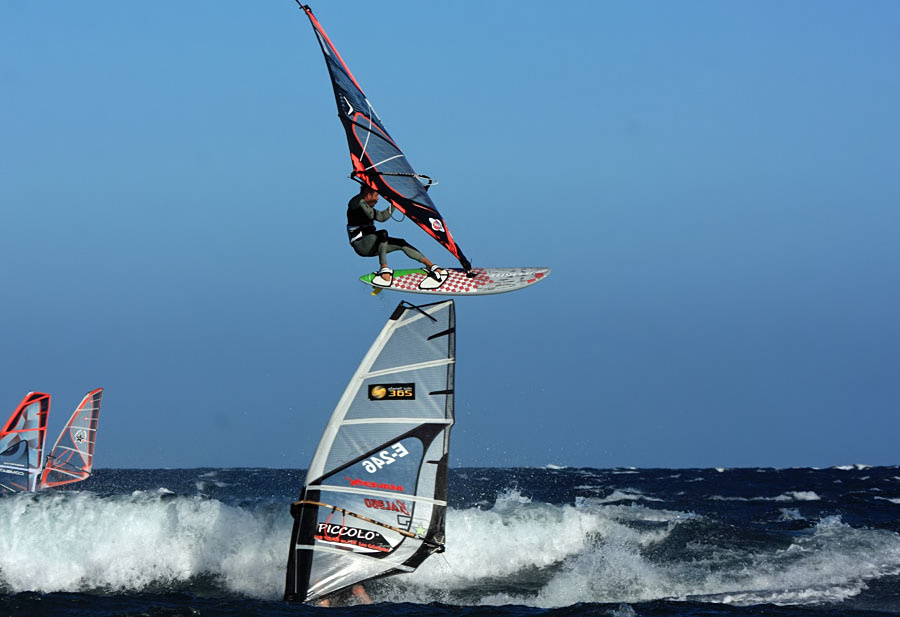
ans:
(626, 495)
(514, 550)
(77, 541)
(596, 552)
(788, 496)
(798, 496)
(791, 514)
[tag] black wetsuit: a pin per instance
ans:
(368, 241)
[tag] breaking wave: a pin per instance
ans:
(512, 551)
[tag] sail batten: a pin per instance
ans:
(395, 421)
(409, 367)
(377, 484)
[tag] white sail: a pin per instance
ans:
(375, 495)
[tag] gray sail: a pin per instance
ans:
(375, 496)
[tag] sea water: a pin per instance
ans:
(524, 541)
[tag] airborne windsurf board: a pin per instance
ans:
(457, 282)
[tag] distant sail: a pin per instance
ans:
(72, 457)
(21, 444)
(375, 496)
(377, 160)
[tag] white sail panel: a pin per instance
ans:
(374, 500)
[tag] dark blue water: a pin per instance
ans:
(521, 542)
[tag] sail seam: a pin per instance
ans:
(410, 367)
(69, 449)
(397, 421)
(65, 472)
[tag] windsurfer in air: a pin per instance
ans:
(370, 242)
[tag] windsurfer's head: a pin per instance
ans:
(369, 195)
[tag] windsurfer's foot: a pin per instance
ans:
(384, 277)
(436, 272)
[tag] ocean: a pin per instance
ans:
(520, 542)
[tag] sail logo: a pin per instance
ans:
(80, 436)
(391, 505)
(363, 538)
(437, 225)
(380, 485)
(392, 392)
(350, 109)
(385, 457)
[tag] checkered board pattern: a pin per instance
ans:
(484, 281)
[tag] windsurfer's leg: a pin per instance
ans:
(359, 592)
(383, 250)
(385, 274)
(371, 245)
(367, 246)
(399, 244)
(432, 270)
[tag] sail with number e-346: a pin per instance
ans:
(375, 497)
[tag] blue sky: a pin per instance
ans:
(713, 183)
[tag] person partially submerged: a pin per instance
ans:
(368, 241)
(355, 595)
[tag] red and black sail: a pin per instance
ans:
(377, 160)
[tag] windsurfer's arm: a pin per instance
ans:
(372, 214)
(381, 215)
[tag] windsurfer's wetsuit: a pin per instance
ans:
(368, 241)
